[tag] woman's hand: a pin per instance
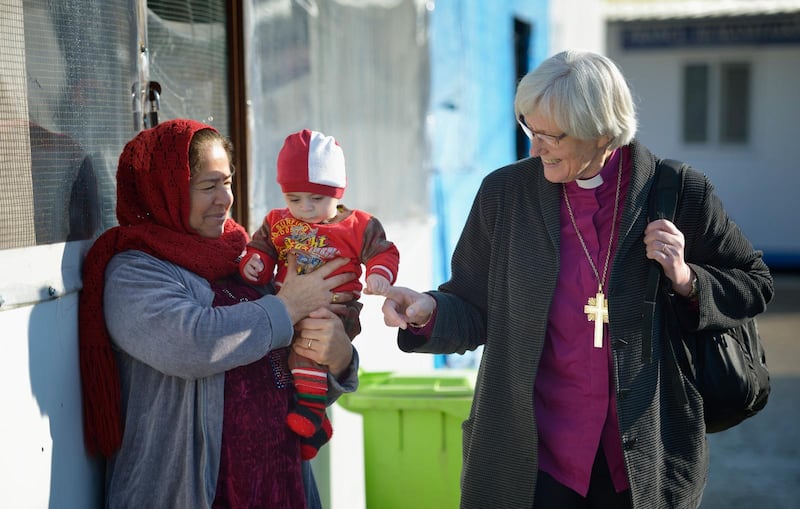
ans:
(302, 294)
(404, 306)
(321, 338)
(665, 244)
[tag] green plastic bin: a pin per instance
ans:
(412, 436)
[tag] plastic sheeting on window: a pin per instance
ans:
(187, 45)
(357, 71)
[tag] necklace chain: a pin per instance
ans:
(600, 280)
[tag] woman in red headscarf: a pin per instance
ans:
(183, 366)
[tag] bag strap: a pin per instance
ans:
(663, 204)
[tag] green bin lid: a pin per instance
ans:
(445, 390)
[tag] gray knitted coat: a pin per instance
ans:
(504, 272)
(173, 349)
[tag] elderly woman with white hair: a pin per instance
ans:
(549, 276)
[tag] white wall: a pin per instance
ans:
(42, 458)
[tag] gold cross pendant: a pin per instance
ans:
(597, 311)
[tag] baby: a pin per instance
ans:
(316, 227)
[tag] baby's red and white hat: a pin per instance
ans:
(311, 162)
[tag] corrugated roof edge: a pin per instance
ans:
(634, 11)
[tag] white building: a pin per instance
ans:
(716, 84)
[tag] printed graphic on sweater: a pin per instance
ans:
(292, 236)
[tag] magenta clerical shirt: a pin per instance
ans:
(574, 394)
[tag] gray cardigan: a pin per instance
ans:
(173, 349)
(504, 272)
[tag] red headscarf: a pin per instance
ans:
(153, 203)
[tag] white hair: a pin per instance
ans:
(584, 93)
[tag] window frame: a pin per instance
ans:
(715, 101)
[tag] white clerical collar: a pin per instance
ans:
(590, 183)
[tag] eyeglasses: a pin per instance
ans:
(548, 139)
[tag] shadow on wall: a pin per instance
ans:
(76, 480)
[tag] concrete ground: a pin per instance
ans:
(756, 465)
